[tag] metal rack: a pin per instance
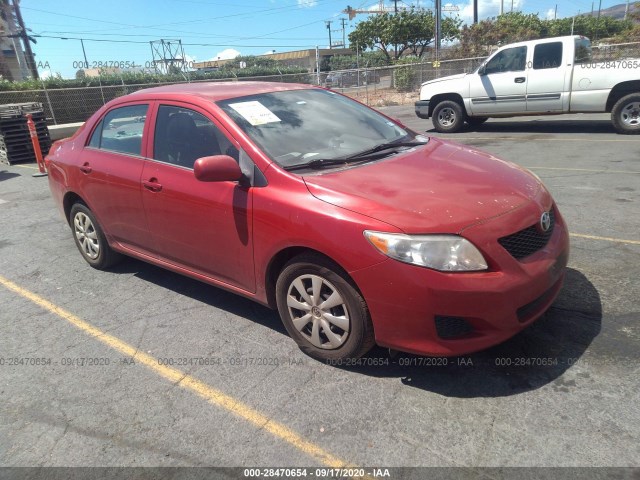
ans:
(15, 142)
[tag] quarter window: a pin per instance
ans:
(547, 55)
(183, 135)
(121, 130)
(509, 60)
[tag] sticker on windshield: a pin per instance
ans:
(255, 113)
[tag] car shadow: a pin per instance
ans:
(543, 126)
(6, 175)
(537, 356)
(202, 292)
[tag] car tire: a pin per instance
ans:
(448, 117)
(475, 121)
(625, 115)
(90, 238)
(334, 331)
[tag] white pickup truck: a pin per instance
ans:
(541, 77)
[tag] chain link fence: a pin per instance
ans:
(396, 85)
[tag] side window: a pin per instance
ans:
(121, 130)
(95, 137)
(183, 135)
(509, 60)
(583, 51)
(547, 55)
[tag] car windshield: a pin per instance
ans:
(298, 126)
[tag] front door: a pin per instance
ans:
(203, 226)
(501, 87)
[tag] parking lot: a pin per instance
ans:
(139, 366)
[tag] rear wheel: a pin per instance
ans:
(625, 114)
(448, 117)
(90, 239)
(321, 309)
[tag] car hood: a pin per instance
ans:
(440, 187)
(445, 79)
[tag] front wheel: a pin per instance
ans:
(322, 311)
(90, 238)
(625, 114)
(448, 117)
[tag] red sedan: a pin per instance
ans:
(357, 229)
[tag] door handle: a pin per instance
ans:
(520, 80)
(86, 168)
(152, 185)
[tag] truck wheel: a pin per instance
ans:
(448, 117)
(625, 114)
(475, 121)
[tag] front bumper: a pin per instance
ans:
(406, 302)
(422, 108)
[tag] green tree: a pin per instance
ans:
(407, 32)
(363, 60)
(517, 26)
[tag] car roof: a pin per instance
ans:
(215, 91)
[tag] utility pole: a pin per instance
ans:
(395, 7)
(475, 11)
(511, 6)
(555, 13)
(626, 10)
(86, 63)
(329, 22)
(438, 33)
(501, 7)
(25, 40)
(344, 38)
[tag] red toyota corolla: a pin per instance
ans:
(357, 229)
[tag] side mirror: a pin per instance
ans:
(218, 168)
(482, 70)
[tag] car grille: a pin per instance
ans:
(452, 327)
(528, 241)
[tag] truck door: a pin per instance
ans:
(500, 86)
(548, 83)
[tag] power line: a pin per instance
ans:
(104, 40)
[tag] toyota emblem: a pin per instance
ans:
(545, 222)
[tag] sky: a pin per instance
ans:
(120, 30)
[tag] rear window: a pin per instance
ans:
(583, 51)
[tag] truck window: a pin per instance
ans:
(508, 60)
(547, 55)
(583, 51)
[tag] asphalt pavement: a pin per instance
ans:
(142, 367)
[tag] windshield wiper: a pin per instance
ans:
(386, 146)
(318, 163)
(360, 156)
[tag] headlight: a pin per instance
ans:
(447, 253)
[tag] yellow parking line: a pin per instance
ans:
(25, 166)
(631, 172)
(606, 239)
(186, 381)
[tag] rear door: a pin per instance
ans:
(549, 78)
(205, 227)
(502, 87)
(110, 170)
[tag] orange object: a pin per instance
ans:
(36, 143)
